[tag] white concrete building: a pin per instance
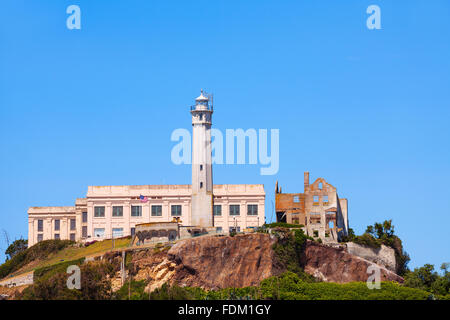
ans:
(114, 211)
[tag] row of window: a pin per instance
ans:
(324, 199)
(156, 211)
(40, 237)
(176, 210)
(116, 232)
(231, 229)
(73, 225)
(234, 210)
(136, 211)
(98, 232)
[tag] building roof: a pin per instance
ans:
(51, 210)
(201, 97)
(171, 190)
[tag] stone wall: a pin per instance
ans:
(335, 264)
(383, 256)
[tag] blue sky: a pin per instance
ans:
(368, 110)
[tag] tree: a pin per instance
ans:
(383, 233)
(5, 237)
(16, 247)
(427, 279)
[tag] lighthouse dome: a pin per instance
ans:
(201, 97)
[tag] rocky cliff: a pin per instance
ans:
(220, 262)
(336, 265)
(244, 260)
(384, 256)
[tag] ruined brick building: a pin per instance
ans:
(319, 209)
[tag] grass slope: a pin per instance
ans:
(52, 252)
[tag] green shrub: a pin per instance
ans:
(425, 278)
(48, 271)
(53, 285)
(40, 250)
(282, 225)
(367, 240)
(174, 292)
(133, 292)
(290, 286)
(289, 249)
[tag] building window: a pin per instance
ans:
(320, 185)
(132, 231)
(40, 237)
(176, 210)
(325, 199)
(217, 210)
(156, 211)
(73, 224)
(201, 167)
(57, 236)
(57, 223)
(252, 210)
(72, 237)
(117, 211)
(84, 232)
(136, 211)
(218, 229)
(296, 199)
(84, 218)
(117, 232)
(234, 210)
(99, 232)
(315, 200)
(40, 225)
(201, 185)
(99, 212)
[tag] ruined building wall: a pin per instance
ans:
(319, 209)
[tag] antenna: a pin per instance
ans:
(211, 99)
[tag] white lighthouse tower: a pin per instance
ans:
(202, 185)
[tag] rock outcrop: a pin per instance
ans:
(336, 265)
(213, 262)
(220, 262)
(384, 256)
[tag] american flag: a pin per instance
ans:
(143, 199)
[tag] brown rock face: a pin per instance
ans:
(220, 262)
(243, 260)
(336, 265)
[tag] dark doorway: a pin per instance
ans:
(281, 216)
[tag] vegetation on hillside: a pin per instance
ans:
(382, 233)
(425, 278)
(282, 225)
(40, 250)
(51, 252)
(287, 286)
(16, 247)
(289, 249)
(52, 284)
